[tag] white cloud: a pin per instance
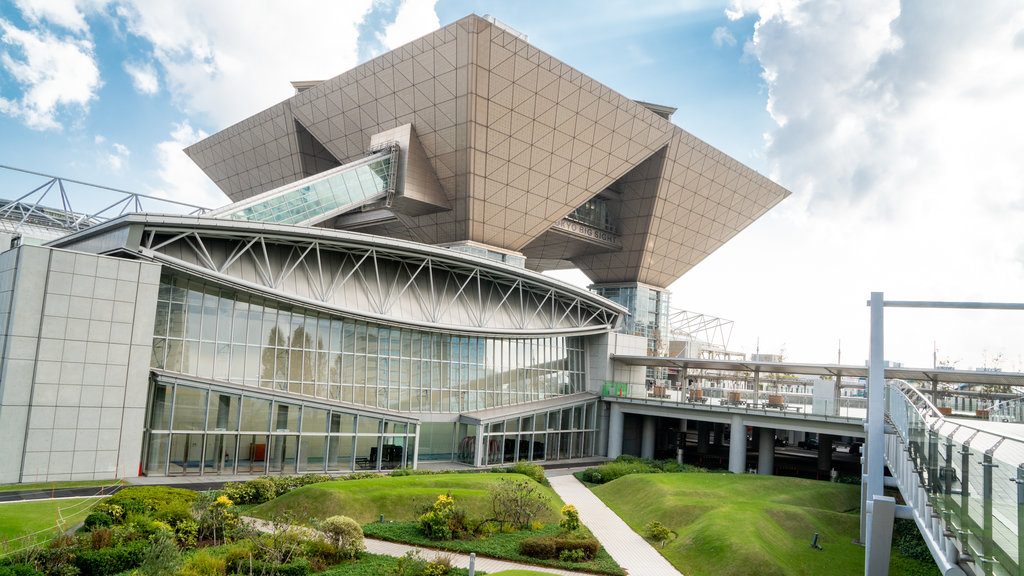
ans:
(181, 179)
(229, 59)
(144, 77)
(899, 133)
(415, 18)
(55, 74)
(63, 13)
(116, 155)
(721, 37)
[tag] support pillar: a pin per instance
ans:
(737, 445)
(766, 452)
(879, 545)
(703, 438)
(824, 454)
(681, 440)
(615, 431)
(647, 440)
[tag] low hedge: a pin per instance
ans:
(551, 547)
(111, 560)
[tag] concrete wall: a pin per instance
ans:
(76, 343)
(601, 368)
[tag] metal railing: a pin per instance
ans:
(792, 403)
(963, 481)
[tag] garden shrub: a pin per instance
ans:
(187, 534)
(657, 531)
(344, 534)
(297, 567)
(143, 499)
(161, 557)
(625, 465)
(19, 570)
(321, 555)
(571, 522)
(572, 555)
(101, 538)
(237, 556)
(529, 469)
(412, 564)
(203, 563)
(516, 502)
(111, 560)
(443, 521)
(97, 520)
(551, 547)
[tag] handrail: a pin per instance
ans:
(951, 472)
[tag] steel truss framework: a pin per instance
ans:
(393, 284)
(50, 203)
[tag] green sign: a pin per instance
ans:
(616, 389)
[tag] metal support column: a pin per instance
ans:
(647, 438)
(879, 541)
(615, 431)
(737, 445)
(766, 451)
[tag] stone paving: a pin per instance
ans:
(629, 549)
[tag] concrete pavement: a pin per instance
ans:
(629, 549)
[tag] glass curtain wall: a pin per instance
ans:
(215, 333)
(191, 430)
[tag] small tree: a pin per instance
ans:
(344, 534)
(516, 502)
(657, 531)
(571, 522)
(162, 558)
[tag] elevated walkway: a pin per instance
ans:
(322, 197)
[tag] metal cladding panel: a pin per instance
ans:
(677, 209)
(544, 139)
(257, 154)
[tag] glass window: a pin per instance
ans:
(255, 414)
(286, 418)
(189, 409)
(314, 420)
(160, 407)
(369, 425)
(223, 412)
(342, 423)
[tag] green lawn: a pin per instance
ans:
(39, 518)
(44, 488)
(743, 524)
(397, 498)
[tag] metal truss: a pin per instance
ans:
(382, 281)
(32, 207)
(712, 332)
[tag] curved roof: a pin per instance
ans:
(359, 275)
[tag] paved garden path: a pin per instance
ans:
(383, 547)
(629, 549)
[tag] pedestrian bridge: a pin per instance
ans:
(962, 479)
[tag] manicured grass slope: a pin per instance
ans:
(20, 518)
(397, 498)
(744, 525)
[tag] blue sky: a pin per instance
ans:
(896, 125)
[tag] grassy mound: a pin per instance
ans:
(397, 498)
(744, 524)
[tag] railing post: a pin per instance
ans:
(933, 461)
(1020, 515)
(948, 477)
(965, 494)
(987, 545)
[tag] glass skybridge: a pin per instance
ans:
(315, 199)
